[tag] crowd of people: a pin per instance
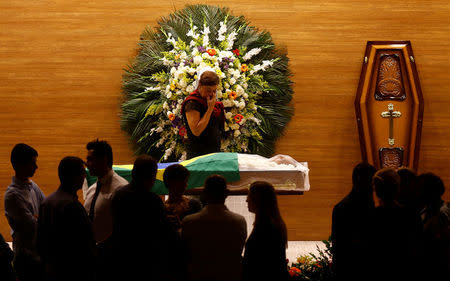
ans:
(124, 231)
(406, 237)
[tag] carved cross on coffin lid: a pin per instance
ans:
(389, 80)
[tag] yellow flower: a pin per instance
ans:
(172, 86)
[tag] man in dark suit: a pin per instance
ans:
(64, 237)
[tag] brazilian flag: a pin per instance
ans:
(222, 163)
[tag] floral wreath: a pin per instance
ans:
(254, 87)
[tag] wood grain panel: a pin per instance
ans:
(61, 65)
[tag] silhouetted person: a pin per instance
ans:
(395, 232)
(265, 250)
(144, 244)
(99, 161)
(178, 205)
(352, 226)
(65, 240)
(6, 258)
(22, 200)
(214, 236)
(407, 193)
(436, 222)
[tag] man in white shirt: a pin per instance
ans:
(99, 195)
(214, 237)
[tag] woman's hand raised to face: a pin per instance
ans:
(211, 100)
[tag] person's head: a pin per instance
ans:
(215, 190)
(207, 84)
(432, 188)
(144, 172)
(262, 200)
(99, 158)
(407, 189)
(386, 182)
(362, 178)
(23, 160)
(176, 178)
(71, 173)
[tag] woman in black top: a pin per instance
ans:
(203, 116)
(265, 250)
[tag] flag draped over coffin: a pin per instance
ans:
(225, 164)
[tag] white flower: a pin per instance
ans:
(165, 106)
(230, 40)
(228, 103)
(152, 89)
(245, 95)
(234, 126)
(183, 83)
(178, 73)
(159, 129)
(251, 53)
(197, 60)
(169, 95)
(229, 115)
(192, 33)
(206, 40)
(172, 70)
(165, 61)
(241, 105)
(226, 85)
(232, 81)
(191, 70)
(237, 133)
(222, 30)
(205, 55)
(183, 156)
(226, 128)
(190, 89)
(239, 90)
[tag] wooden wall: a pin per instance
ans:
(61, 63)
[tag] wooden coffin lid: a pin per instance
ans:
(389, 79)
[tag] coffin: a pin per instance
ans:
(389, 106)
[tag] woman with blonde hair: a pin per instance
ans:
(265, 250)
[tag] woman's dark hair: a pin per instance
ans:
(263, 196)
(175, 172)
(209, 78)
(101, 149)
(22, 153)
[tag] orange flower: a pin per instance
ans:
(294, 271)
(211, 52)
(233, 95)
(171, 116)
(238, 118)
(244, 68)
(182, 131)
